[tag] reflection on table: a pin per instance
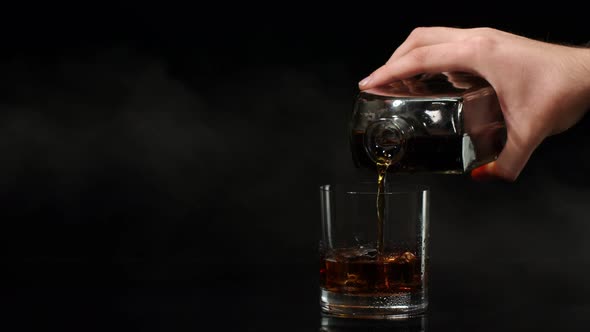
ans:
(335, 324)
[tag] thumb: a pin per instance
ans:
(513, 158)
(509, 164)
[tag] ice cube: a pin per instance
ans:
(406, 257)
(360, 253)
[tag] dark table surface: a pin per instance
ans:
(250, 297)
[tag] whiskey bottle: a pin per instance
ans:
(446, 123)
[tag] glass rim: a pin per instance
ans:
(370, 188)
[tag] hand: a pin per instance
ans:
(543, 88)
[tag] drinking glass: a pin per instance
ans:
(374, 264)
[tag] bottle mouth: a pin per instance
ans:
(385, 139)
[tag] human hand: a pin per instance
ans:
(543, 88)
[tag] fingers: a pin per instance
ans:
(427, 59)
(421, 37)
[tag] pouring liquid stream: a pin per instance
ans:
(382, 166)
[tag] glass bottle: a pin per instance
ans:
(446, 123)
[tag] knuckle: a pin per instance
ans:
(485, 31)
(418, 33)
(419, 55)
(481, 44)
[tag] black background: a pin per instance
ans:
(161, 163)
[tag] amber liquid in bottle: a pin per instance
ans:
(436, 154)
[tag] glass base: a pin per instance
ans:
(390, 306)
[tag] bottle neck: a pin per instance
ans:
(386, 139)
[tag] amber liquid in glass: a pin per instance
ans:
(368, 271)
(365, 272)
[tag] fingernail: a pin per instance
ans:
(484, 173)
(365, 81)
